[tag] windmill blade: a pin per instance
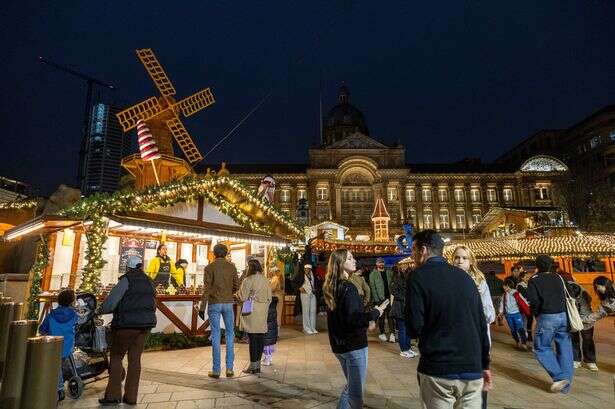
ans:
(145, 110)
(155, 70)
(196, 102)
(184, 140)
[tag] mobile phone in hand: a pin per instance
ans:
(384, 304)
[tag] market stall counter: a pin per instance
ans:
(174, 313)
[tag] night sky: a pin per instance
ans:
(449, 80)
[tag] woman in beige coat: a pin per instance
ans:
(256, 286)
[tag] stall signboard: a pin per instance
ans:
(130, 247)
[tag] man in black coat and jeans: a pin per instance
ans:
(133, 304)
(444, 311)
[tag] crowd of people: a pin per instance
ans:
(445, 306)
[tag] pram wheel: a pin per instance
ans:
(75, 387)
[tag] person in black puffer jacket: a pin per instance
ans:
(583, 346)
(271, 337)
(133, 304)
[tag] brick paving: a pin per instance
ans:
(305, 374)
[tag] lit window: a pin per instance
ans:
(410, 195)
(444, 219)
(301, 194)
(426, 195)
(322, 193)
(508, 195)
(411, 214)
(595, 141)
(442, 195)
(476, 216)
(475, 194)
(460, 218)
(612, 135)
(459, 196)
(284, 195)
(427, 219)
(491, 195)
(541, 193)
(392, 194)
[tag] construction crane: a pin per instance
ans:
(90, 81)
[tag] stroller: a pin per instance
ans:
(89, 357)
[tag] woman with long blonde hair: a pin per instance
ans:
(465, 260)
(347, 321)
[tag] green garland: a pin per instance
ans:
(19, 204)
(40, 263)
(97, 208)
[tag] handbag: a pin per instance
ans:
(247, 306)
(574, 318)
(99, 343)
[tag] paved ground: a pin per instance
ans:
(306, 375)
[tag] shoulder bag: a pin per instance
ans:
(574, 318)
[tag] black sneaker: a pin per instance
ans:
(61, 396)
(108, 402)
(125, 402)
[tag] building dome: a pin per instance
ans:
(343, 119)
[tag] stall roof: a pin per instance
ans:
(144, 223)
(41, 225)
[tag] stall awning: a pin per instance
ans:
(198, 230)
(40, 225)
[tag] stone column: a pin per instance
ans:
(338, 202)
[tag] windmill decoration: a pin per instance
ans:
(162, 116)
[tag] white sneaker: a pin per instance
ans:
(577, 364)
(392, 338)
(408, 354)
(382, 337)
(591, 366)
(308, 332)
(559, 385)
(314, 332)
(267, 361)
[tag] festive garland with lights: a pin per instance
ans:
(19, 204)
(40, 263)
(97, 208)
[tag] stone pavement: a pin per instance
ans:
(305, 374)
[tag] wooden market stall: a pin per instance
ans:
(86, 246)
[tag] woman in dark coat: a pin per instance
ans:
(271, 337)
(398, 291)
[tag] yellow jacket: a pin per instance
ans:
(154, 266)
(180, 275)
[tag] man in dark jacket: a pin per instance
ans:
(133, 304)
(546, 295)
(444, 311)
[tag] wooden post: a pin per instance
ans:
(75, 260)
(507, 267)
(51, 246)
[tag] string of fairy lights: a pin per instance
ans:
(40, 262)
(97, 208)
(19, 204)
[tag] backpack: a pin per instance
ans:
(524, 307)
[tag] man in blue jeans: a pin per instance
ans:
(220, 282)
(546, 295)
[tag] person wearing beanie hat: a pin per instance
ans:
(379, 281)
(547, 297)
(133, 304)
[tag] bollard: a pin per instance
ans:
(18, 312)
(6, 316)
(41, 372)
(12, 382)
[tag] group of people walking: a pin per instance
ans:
(446, 307)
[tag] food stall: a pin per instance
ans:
(86, 246)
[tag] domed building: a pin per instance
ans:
(343, 119)
(350, 171)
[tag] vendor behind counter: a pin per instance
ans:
(162, 268)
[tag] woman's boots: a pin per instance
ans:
(254, 368)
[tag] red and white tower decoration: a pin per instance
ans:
(147, 145)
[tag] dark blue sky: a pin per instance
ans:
(451, 79)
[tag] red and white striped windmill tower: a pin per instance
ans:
(147, 146)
